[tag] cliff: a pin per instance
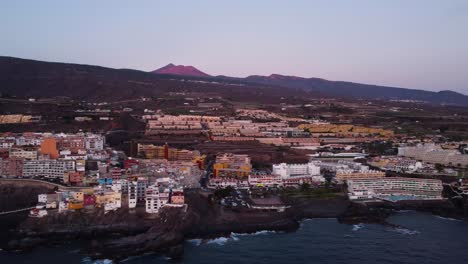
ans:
(124, 233)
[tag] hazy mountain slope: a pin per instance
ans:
(21, 77)
(356, 90)
(29, 78)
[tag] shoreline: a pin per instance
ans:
(118, 238)
(225, 238)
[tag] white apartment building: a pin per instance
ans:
(136, 191)
(395, 189)
(153, 201)
(294, 170)
(94, 142)
(47, 168)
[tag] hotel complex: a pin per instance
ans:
(395, 189)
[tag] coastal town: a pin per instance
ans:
(146, 174)
(246, 132)
(91, 175)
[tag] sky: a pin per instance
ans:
(421, 44)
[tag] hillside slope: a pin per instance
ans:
(21, 77)
(30, 78)
(357, 90)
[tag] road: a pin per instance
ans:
(60, 186)
(205, 177)
(16, 211)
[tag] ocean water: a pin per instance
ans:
(423, 239)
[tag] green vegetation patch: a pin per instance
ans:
(306, 192)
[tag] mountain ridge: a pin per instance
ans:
(23, 77)
(180, 70)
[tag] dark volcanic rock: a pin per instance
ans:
(120, 234)
(360, 213)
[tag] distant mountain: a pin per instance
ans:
(357, 90)
(181, 70)
(40, 79)
(24, 78)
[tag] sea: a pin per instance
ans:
(421, 239)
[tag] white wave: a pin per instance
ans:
(404, 231)
(233, 237)
(447, 218)
(262, 232)
(219, 241)
(357, 227)
(195, 242)
(88, 260)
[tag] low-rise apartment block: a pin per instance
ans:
(395, 189)
(48, 168)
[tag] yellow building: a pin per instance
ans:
(75, 205)
(231, 165)
(345, 129)
(108, 197)
(200, 160)
(151, 151)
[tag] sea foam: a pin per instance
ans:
(233, 237)
(357, 227)
(447, 218)
(404, 231)
(88, 260)
(218, 241)
(262, 232)
(195, 242)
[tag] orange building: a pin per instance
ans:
(49, 147)
(75, 205)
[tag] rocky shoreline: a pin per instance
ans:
(118, 235)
